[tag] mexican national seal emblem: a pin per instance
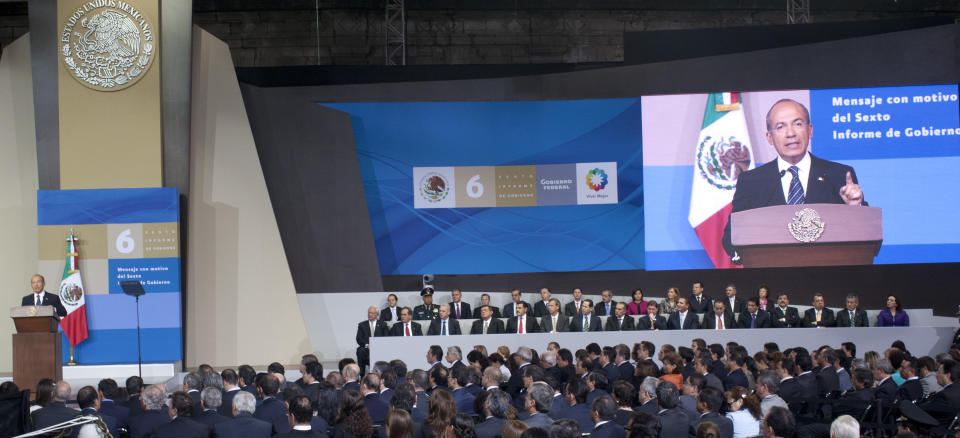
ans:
(806, 225)
(434, 187)
(70, 293)
(721, 160)
(107, 45)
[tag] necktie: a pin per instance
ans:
(485, 325)
(719, 322)
(818, 317)
(372, 329)
(653, 320)
(683, 316)
(36, 299)
(444, 331)
(458, 310)
(698, 299)
(406, 326)
(608, 308)
(851, 319)
(554, 322)
(620, 323)
(753, 319)
(796, 190)
(520, 327)
(586, 324)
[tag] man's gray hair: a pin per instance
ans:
(351, 372)
(456, 352)
(857, 299)
(771, 380)
(154, 397)
(244, 402)
(61, 392)
(885, 366)
(212, 379)
(542, 395)
(549, 357)
(859, 363)
(499, 403)
(193, 380)
(649, 386)
(444, 306)
(526, 354)
(211, 397)
(554, 301)
(845, 426)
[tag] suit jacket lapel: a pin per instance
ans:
(774, 194)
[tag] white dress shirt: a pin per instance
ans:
(803, 173)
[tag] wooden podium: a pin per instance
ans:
(37, 346)
(849, 235)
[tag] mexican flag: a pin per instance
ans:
(74, 325)
(723, 152)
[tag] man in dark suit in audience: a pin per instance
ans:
(828, 380)
(790, 389)
(944, 404)
(709, 401)
(272, 409)
(406, 327)
(577, 408)
(852, 316)
(700, 302)
(485, 301)
(529, 322)
(886, 387)
(56, 411)
(458, 308)
(182, 426)
(910, 389)
(818, 316)
(712, 320)
(806, 378)
(573, 308)
(619, 321)
(540, 307)
(192, 384)
(783, 315)
(608, 366)
(366, 329)
(109, 391)
(153, 400)
(684, 318)
(231, 384)
(40, 297)
(301, 413)
(854, 402)
(210, 399)
(602, 412)
(554, 321)
(495, 411)
(753, 317)
(510, 310)
(673, 420)
(607, 305)
(244, 424)
(486, 324)
(392, 311)
(735, 375)
(445, 325)
(586, 315)
(376, 407)
(652, 320)
(134, 385)
(623, 363)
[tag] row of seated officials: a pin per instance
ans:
(597, 391)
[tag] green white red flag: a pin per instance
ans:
(74, 325)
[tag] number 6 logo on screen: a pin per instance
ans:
(474, 188)
(125, 243)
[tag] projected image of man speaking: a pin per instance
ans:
(796, 176)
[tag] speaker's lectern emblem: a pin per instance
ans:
(107, 45)
(806, 225)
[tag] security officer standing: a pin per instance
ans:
(426, 311)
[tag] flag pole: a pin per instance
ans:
(72, 362)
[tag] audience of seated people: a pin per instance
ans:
(607, 391)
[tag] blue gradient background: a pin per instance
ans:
(392, 138)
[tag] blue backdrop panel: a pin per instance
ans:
(392, 138)
(112, 318)
(107, 206)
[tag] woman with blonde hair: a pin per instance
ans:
(513, 429)
(744, 411)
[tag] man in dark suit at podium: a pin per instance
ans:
(40, 297)
(818, 316)
(796, 176)
(852, 316)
